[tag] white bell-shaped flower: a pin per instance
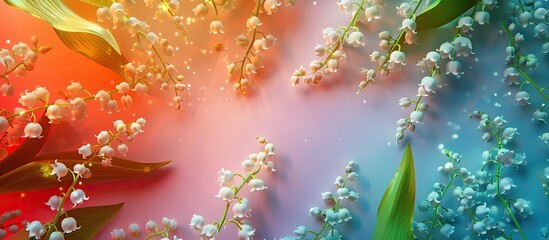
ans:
(69, 225)
(209, 232)
(35, 229)
(197, 223)
(78, 196)
(242, 209)
(225, 193)
(33, 130)
(54, 202)
(216, 27)
(59, 169)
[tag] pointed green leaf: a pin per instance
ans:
(90, 220)
(441, 12)
(37, 175)
(80, 35)
(396, 209)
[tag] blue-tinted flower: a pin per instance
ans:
(447, 230)
(539, 116)
(332, 217)
(482, 211)
(505, 184)
(480, 228)
(300, 231)
(523, 208)
(344, 214)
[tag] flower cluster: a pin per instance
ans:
(481, 194)
(18, 62)
(332, 51)
(394, 59)
(151, 228)
(521, 18)
(8, 222)
(254, 41)
(229, 192)
(140, 76)
(80, 171)
(447, 53)
(335, 213)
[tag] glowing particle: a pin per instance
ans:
(440, 146)
(455, 136)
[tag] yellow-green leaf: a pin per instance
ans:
(98, 3)
(90, 220)
(80, 35)
(37, 175)
(396, 209)
(441, 12)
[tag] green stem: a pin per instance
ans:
(506, 206)
(160, 233)
(351, 25)
(437, 207)
(248, 50)
(236, 191)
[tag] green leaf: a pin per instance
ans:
(98, 3)
(90, 220)
(396, 209)
(80, 35)
(37, 175)
(441, 12)
(28, 149)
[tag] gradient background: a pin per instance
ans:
(316, 129)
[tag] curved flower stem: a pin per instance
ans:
(506, 206)
(400, 35)
(437, 207)
(236, 191)
(351, 25)
(336, 206)
(8, 71)
(248, 51)
(517, 63)
(159, 233)
(60, 208)
(498, 178)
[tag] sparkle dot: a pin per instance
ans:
(305, 140)
(8, 41)
(455, 136)
(388, 143)
(441, 146)
(364, 101)
(22, 195)
(495, 74)
(314, 3)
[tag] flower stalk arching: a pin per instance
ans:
(71, 188)
(229, 192)
(344, 35)
(240, 85)
(517, 64)
(427, 89)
